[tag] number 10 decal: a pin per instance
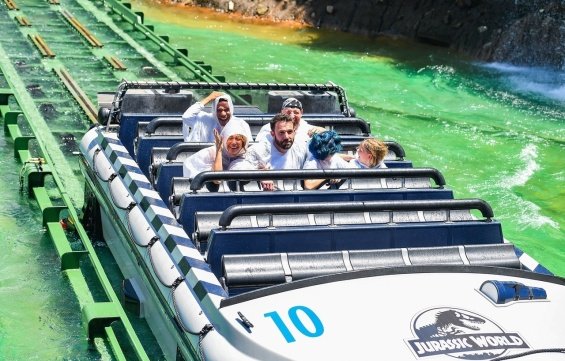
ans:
(293, 314)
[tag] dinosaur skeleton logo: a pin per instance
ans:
(460, 334)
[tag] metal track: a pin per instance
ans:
(55, 56)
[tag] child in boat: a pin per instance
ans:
(323, 148)
(199, 125)
(228, 153)
(370, 154)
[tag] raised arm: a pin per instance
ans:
(218, 163)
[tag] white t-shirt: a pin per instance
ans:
(335, 162)
(355, 163)
(264, 155)
(301, 132)
(203, 160)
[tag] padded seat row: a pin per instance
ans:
(260, 270)
(188, 198)
(229, 238)
(340, 124)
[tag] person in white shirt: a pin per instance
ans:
(199, 125)
(281, 152)
(304, 130)
(323, 148)
(228, 153)
(371, 153)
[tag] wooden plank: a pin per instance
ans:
(78, 94)
(11, 5)
(92, 40)
(23, 21)
(115, 62)
(42, 46)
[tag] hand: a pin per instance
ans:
(213, 95)
(268, 185)
(315, 130)
(217, 140)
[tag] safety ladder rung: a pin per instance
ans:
(11, 5)
(42, 46)
(115, 62)
(23, 21)
(92, 40)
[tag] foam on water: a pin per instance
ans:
(529, 214)
(528, 155)
(547, 83)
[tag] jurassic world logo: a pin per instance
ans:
(460, 334)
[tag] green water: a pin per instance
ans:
(495, 132)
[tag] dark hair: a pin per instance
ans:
(280, 118)
(324, 144)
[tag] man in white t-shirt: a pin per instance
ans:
(281, 152)
(199, 125)
(304, 130)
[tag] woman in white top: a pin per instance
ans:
(370, 154)
(323, 148)
(228, 153)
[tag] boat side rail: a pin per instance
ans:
(301, 174)
(448, 205)
(174, 87)
(253, 271)
(291, 180)
(342, 125)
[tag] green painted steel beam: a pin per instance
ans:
(5, 94)
(96, 315)
(203, 73)
(10, 118)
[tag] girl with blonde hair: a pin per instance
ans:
(370, 154)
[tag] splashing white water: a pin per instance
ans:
(529, 155)
(544, 82)
(529, 214)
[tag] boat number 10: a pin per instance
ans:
(297, 316)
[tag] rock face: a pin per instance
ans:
(522, 32)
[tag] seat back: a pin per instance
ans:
(260, 270)
(341, 226)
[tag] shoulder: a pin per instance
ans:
(339, 162)
(259, 148)
(311, 163)
(300, 148)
